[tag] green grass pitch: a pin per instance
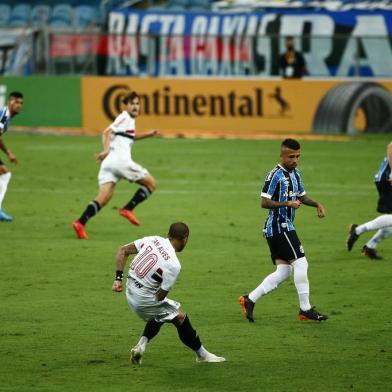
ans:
(63, 329)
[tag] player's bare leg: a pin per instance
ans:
(148, 185)
(105, 194)
(5, 177)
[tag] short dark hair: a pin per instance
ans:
(178, 231)
(130, 97)
(292, 144)
(15, 94)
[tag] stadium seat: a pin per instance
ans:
(5, 12)
(20, 15)
(40, 15)
(197, 8)
(62, 17)
(177, 3)
(86, 16)
(176, 8)
(206, 4)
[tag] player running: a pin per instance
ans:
(14, 105)
(151, 276)
(283, 192)
(383, 223)
(117, 163)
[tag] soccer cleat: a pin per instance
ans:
(371, 253)
(4, 217)
(209, 357)
(128, 214)
(247, 307)
(136, 355)
(352, 236)
(311, 314)
(80, 230)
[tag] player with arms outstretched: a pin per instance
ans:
(117, 164)
(151, 276)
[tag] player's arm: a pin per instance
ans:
(146, 135)
(169, 277)
(305, 199)
(161, 294)
(389, 157)
(7, 151)
(106, 144)
(270, 204)
(122, 256)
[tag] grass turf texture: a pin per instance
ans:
(63, 329)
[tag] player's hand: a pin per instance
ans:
(12, 157)
(320, 210)
(154, 132)
(390, 179)
(101, 156)
(294, 204)
(117, 286)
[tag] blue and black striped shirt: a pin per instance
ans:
(5, 118)
(383, 172)
(281, 185)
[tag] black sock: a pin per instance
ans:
(188, 335)
(141, 194)
(152, 329)
(91, 210)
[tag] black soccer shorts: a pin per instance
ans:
(384, 204)
(285, 246)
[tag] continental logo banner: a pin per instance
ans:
(216, 105)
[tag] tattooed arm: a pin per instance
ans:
(309, 202)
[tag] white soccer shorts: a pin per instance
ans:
(113, 170)
(148, 308)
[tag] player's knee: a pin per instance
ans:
(179, 319)
(152, 184)
(300, 267)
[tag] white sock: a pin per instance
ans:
(378, 237)
(4, 180)
(271, 282)
(143, 343)
(202, 352)
(301, 282)
(381, 222)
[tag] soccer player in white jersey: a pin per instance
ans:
(152, 274)
(117, 163)
(14, 105)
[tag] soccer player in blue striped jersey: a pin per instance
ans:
(14, 105)
(283, 193)
(383, 223)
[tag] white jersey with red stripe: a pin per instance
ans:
(123, 134)
(155, 266)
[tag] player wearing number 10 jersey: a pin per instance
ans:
(151, 276)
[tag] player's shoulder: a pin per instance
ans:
(3, 111)
(297, 171)
(275, 172)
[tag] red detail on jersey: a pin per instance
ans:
(159, 272)
(130, 131)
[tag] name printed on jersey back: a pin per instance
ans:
(161, 250)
